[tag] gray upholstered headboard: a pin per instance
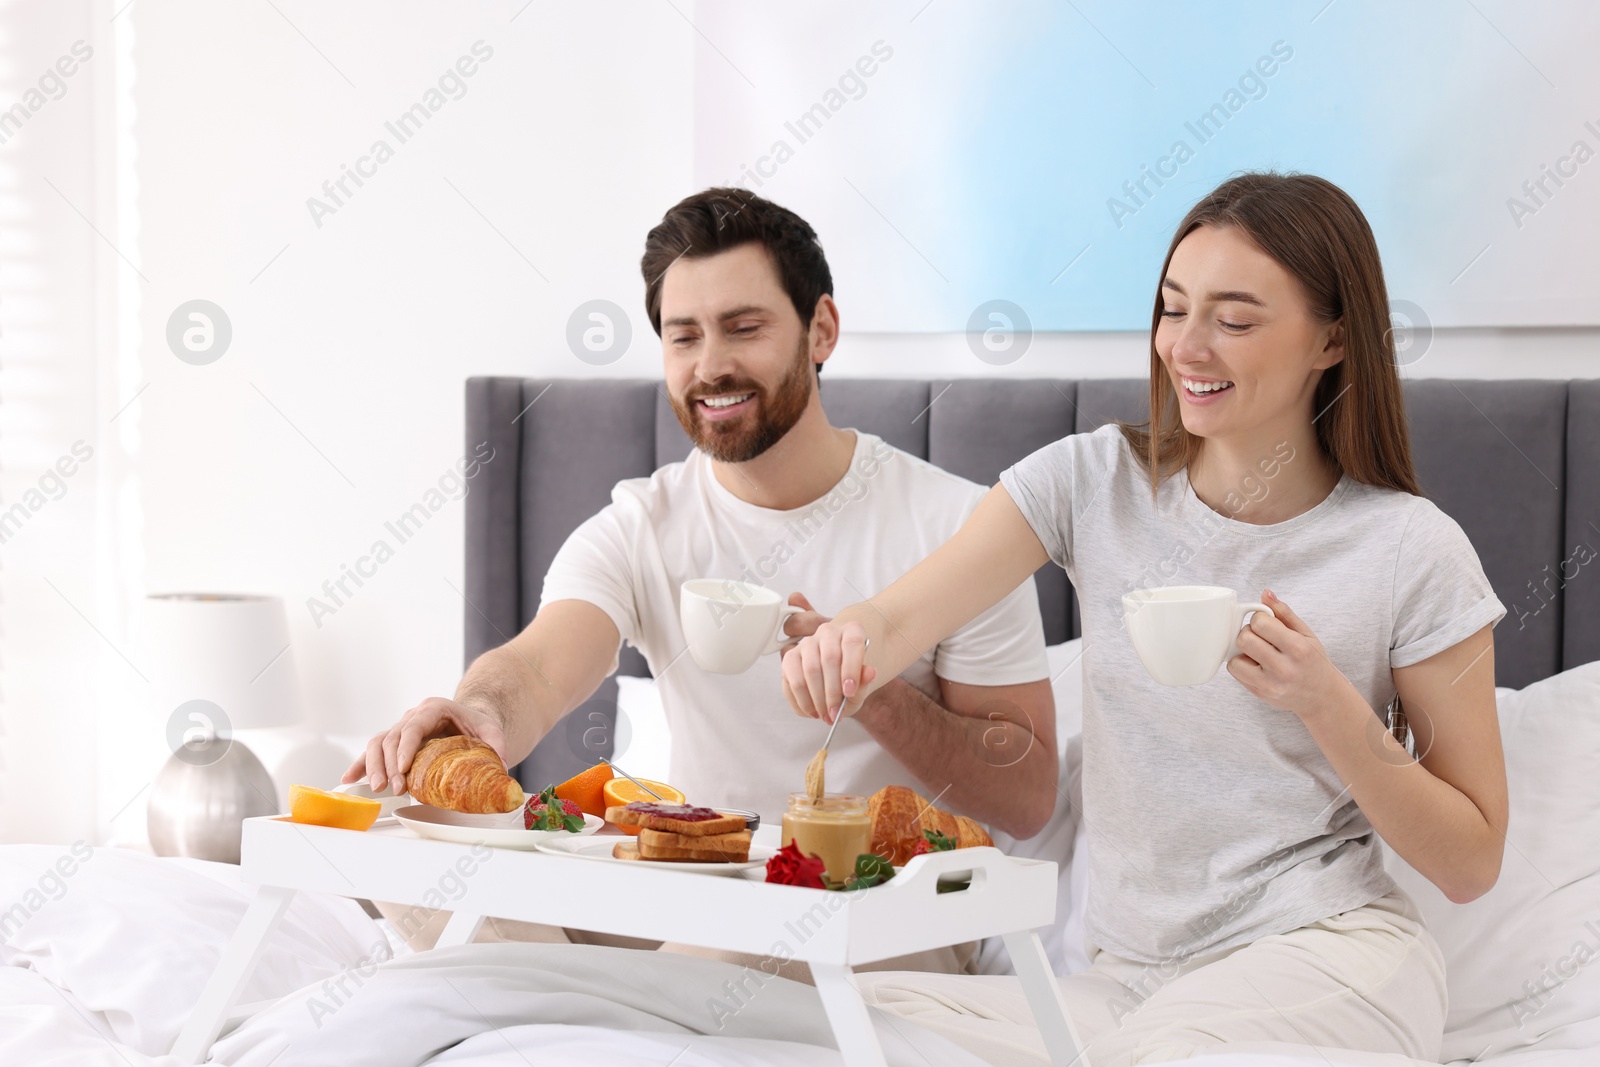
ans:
(1516, 463)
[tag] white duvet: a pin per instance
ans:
(103, 952)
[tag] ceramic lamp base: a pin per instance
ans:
(201, 797)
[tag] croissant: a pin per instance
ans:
(899, 815)
(461, 773)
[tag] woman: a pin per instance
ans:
(1237, 891)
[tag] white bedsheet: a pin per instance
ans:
(135, 938)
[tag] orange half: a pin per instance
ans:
(322, 808)
(620, 791)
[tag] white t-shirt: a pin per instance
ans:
(735, 740)
(1212, 817)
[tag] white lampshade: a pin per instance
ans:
(231, 649)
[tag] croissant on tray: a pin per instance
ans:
(899, 815)
(463, 774)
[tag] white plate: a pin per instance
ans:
(599, 848)
(496, 831)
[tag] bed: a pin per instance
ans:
(103, 951)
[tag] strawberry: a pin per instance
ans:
(545, 812)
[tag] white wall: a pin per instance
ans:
(51, 655)
(338, 403)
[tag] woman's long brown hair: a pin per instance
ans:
(1314, 231)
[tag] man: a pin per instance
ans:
(740, 293)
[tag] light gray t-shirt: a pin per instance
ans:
(1213, 818)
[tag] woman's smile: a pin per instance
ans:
(1204, 391)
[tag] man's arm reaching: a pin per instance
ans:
(986, 751)
(510, 697)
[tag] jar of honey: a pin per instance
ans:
(834, 828)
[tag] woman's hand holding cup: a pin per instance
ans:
(1281, 661)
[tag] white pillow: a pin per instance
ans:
(135, 938)
(1522, 962)
(644, 745)
(1066, 683)
(1061, 840)
(1074, 951)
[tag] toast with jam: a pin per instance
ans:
(685, 819)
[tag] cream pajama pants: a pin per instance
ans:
(1371, 979)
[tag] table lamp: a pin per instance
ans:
(222, 662)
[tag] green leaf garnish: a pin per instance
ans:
(870, 870)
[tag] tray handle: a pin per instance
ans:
(972, 865)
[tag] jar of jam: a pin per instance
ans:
(834, 828)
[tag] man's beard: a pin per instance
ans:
(736, 441)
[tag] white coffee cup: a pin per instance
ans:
(729, 625)
(1183, 633)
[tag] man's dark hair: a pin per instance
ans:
(722, 218)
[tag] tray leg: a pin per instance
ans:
(233, 970)
(1044, 997)
(460, 930)
(852, 1025)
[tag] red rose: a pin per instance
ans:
(792, 867)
